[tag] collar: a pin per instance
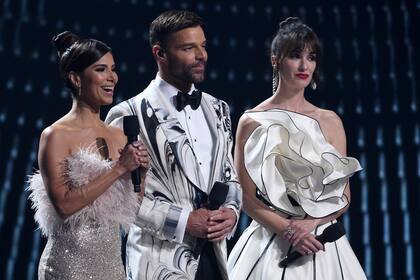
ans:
(168, 90)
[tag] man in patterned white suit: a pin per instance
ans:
(189, 139)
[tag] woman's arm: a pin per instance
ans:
(256, 209)
(53, 149)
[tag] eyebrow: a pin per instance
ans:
(192, 44)
(103, 65)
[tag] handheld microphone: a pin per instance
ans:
(216, 199)
(330, 234)
(131, 130)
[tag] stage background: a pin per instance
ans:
(370, 74)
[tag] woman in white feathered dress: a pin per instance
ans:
(291, 160)
(82, 193)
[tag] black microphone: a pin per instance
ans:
(330, 234)
(132, 130)
(217, 197)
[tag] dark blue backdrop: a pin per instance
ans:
(370, 74)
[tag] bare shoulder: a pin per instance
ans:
(57, 133)
(55, 143)
(329, 119)
(246, 126)
(332, 128)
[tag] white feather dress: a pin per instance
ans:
(86, 245)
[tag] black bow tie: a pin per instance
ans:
(183, 99)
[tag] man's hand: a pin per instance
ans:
(198, 223)
(221, 223)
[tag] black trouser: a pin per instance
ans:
(207, 266)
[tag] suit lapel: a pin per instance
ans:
(175, 136)
(212, 113)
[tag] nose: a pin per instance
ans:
(201, 54)
(113, 77)
(303, 64)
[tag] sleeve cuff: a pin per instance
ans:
(175, 224)
(182, 225)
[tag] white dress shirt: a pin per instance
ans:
(198, 132)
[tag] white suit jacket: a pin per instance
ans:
(174, 182)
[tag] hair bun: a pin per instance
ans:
(63, 41)
(290, 22)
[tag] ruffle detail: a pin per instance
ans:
(288, 156)
(117, 205)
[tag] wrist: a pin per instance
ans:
(119, 168)
(315, 222)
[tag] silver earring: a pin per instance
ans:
(313, 85)
(275, 79)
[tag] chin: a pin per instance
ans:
(198, 78)
(108, 101)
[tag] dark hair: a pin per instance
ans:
(169, 22)
(292, 36)
(76, 54)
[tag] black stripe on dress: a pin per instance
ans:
(314, 256)
(284, 269)
(265, 249)
(243, 247)
(339, 261)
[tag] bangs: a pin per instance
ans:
(299, 40)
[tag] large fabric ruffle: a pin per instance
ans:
(117, 205)
(287, 156)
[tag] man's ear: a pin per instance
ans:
(158, 52)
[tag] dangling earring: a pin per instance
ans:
(313, 85)
(275, 79)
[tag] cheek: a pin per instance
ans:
(98, 79)
(289, 66)
(312, 66)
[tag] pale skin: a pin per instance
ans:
(80, 128)
(290, 96)
(181, 62)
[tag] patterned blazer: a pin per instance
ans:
(174, 182)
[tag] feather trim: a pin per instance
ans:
(117, 205)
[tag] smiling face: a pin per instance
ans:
(297, 68)
(184, 58)
(97, 81)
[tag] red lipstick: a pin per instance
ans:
(302, 76)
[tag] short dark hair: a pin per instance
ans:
(292, 36)
(76, 54)
(169, 22)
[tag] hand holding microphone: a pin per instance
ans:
(132, 130)
(217, 198)
(330, 234)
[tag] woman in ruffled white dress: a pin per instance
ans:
(291, 160)
(83, 192)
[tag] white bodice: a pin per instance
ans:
(288, 156)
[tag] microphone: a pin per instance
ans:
(330, 234)
(216, 199)
(131, 130)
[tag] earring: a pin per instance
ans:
(313, 85)
(77, 89)
(275, 79)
